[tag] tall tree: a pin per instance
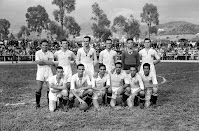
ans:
(154, 30)
(24, 32)
(72, 26)
(37, 18)
(150, 15)
(57, 30)
(132, 27)
(64, 6)
(4, 28)
(119, 23)
(101, 23)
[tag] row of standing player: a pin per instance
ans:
(87, 56)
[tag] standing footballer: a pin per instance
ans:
(44, 60)
(149, 55)
(87, 56)
(65, 58)
(108, 56)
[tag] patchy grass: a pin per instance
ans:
(178, 105)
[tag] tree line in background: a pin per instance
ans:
(65, 25)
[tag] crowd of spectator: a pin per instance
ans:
(25, 50)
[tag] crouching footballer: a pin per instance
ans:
(58, 90)
(151, 88)
(100, 84)
(81, 87)
(135, 88)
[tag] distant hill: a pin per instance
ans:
(178, 27)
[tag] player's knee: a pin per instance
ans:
(103, 93)
(128, 90)
(64, 92)
(155, 90)
(142, 93)
(147, 97)
(71, 96)
(120, 91)
(90, 92)
(109, 90)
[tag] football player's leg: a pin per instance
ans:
(65, 100)
(108, 95)
(71, 100)
(38, 92)
(52, 101)
(130, 100)
(52, 105)
(87, 94)
(126, 94)
(148, 97)
(154, 95)
(95, 100)
(142, 99)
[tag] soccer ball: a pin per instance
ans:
(83, 106)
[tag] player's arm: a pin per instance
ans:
(140, 55)
(122, 58)
(50, 60)
(101, 57)
(73, 90)
(95, 58)
(78, 57)
(141, 84)
(89, 84)
(38, 60)
(157, 57)
(115, 57)
(78, 98)
(108, 82)
(73, 57)
(57, 87)
(137, 60)
(94, 84)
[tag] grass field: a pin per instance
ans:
(178, 105)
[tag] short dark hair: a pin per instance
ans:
(44, 40)
(79, 65)
(146, 64)
(64, 40)
(129, 39)
(134, 67)
(108, 39)
(102, 65)
(59, 67)
(118, 63)
(147, 39)
(88, 37)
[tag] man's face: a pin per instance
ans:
(44, 46)
(147, 43)
(86, 41)
(102, 70)
(108, 44)
(118, 68)
(80, 70)
(130, 44)
(133, 71)
(64, 44)
(60, 72)
(146, 70)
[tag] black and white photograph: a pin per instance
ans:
(99, 65)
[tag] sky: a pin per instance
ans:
(169, 10)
